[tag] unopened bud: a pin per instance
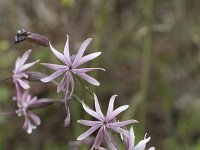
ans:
(35, 38)
(35, 76)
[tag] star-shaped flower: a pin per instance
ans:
(130, 141)
(26, 104)
(104, 123)
(19, 76)
(71, 64)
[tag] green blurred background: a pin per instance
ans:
(151, 53)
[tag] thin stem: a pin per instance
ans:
(86, 87)
(7, 113)
(5, 79)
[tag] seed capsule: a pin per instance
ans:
(35, 38)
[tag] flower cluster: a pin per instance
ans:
(19, 76)
(24, 100)
(102, 125)
(109, 121)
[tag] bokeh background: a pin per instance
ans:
(151, 53)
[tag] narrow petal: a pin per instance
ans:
(66, 51)
(121, 124)
(118, 111)
(99, 138)
(151, 148)
(55, 66)
(81, 51)
(88, 78)
(131, 139)
(17, 65)
(62, 83)
(35, 118)
(25, 57)
(120, 131)
(111, 106)
(68, 118)
(142, 144)
(84, 70)
(58, 54)
(71, 81)
(52, 76)
(89, 123)
(101, 148)
(87, 58)
(88, 132)
(26, 66)
(91, 112)
(97, 107)
(108, 141)
(23, 84)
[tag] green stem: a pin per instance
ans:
(148, 42)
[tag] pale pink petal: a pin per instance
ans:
(99, 138)
(108, 141)
(121, 124)
(66, 51)
(110, 106)
(71, 81)
(66, 92)
(17, 65)
(35, 118)
(101, 148)
(28, 126)
(120, 131)
(88, 132)
(62, 83)
(25, 57)
(88, 78)
(52, 76)
(151, 148)
(131, 139)
(81, 51)
(19, 92)
(87, 58)
(142, 144)
(84, 70)
(117, 112)
(26, 66)
(58, 54)
(89, 123)
(55, 66)
(97, 107)
(68, 118)
(19, 76)
(91, 112)
(23, 84)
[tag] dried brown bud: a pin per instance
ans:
(35, 38)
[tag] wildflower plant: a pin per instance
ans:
(101, 127)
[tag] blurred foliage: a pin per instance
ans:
(151, 53)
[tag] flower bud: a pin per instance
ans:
(35, 38)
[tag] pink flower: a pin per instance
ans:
(26, 104)
(104, 123)
(70, 66)
(130, 141)
(19, 76)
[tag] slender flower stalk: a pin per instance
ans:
(71, 66)
(19, 76)
(104, 122)
(130, 142)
